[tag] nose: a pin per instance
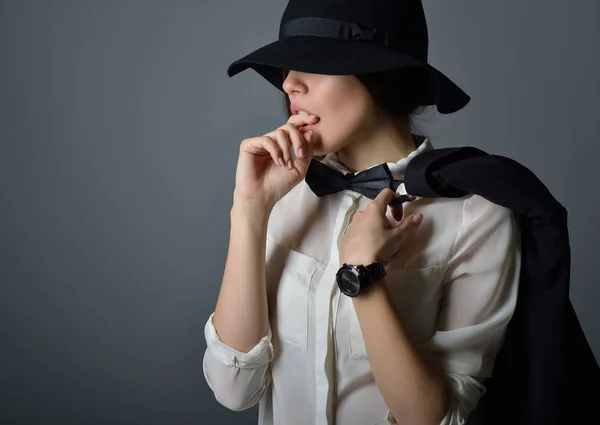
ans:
(293, 82)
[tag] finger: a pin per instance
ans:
(261, 145)
(417, 218)
(397, 201)
(302, 163)
(384, 198)
(285, 144)
(397, 212)
(273, 148)
(410, 222)
(298, 140)
(303, 119)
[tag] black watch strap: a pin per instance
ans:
(376, 270)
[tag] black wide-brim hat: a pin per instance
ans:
(337, 37)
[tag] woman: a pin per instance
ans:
(409, 334)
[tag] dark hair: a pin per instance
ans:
(400, 93)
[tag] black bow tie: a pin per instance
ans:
(324, 180)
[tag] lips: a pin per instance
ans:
(295, 108)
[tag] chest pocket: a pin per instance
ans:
(416, 294)
(289, 276)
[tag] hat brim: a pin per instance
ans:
(330, 56)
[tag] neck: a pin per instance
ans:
(385, 142)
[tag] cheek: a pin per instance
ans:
(344, 119)
(345, 110)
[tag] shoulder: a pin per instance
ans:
(477, 209)
(465, 211)
(486, 225)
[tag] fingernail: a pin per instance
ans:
(301, 152)
(289, 163)
(418, 218)
(314, 118)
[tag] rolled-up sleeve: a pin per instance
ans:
(237, 379)
(480, 295)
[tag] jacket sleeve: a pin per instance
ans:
(479, 299)
(238, 380)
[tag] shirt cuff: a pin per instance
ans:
(259, 355)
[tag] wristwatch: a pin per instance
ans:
(352, 280)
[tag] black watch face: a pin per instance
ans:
(349, 281)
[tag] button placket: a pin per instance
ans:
(327, 300)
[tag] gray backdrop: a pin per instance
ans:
(119, 135)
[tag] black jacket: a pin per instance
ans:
(541, 370)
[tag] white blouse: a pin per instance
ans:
(454, 285)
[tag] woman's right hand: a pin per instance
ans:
(266, 171)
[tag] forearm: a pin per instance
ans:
(415, 389)
(241, 314)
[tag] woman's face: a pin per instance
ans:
(342, 102)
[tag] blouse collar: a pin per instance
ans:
(397, 168)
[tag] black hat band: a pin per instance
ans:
(342, 30)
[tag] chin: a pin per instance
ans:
(324, 146)
(321, 151)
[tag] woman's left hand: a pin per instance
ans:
(371, 236)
